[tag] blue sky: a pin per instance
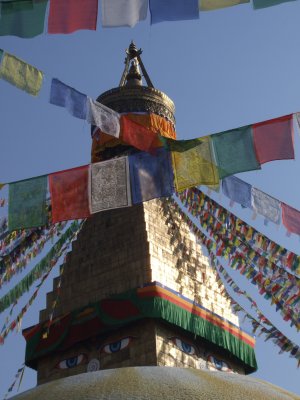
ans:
(230, 68)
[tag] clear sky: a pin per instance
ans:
(232, 67)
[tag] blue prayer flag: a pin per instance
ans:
(65, 96)
(173, 10)
(151, 175)
(237, 190)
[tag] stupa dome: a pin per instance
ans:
(155, 383)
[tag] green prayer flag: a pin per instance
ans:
(234, 151)
(267, 3)
(27, 203)
(208, 5)
(1, 54)
(179, 145)
(23, 18)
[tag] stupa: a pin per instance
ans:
(140, 314)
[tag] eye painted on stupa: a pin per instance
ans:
(214, 364)
(118, 345)
(184, 346)
(72, 362)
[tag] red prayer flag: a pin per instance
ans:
(67, 16)
(137, 135)
(291, 218)
(273, 139)
(69, 194)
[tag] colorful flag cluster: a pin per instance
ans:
(59, 249)
(260, 324)
(20, 256)
(45, 265)
(27, 19)
(269, 266)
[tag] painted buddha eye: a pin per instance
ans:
(217, 364)
(119, 345)
(184, 346)
(72, 362)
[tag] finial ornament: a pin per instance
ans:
(133, 54)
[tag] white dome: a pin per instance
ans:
(154, 383)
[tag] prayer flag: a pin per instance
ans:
(27, 203)
(151, 176)
(123, 12)
(2, 185)
(208, 5)
(137, 135)
(173, 10)
(24, 18)
(291, 218)
(65, 96)
(266, 205)
(1, 54)
(110, 185)
(105, 118)
(237, 190)
(68, 16)
(69, 194)
(234, 151)
(267, 3)
(273, 139)
(193, 163)
(20, 74)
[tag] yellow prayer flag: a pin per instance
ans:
(20, 74)
(195, 166)
(2, 185)
(208, 5)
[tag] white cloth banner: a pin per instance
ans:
(110, 184)
(266, 205)
(123, 12)
(105, 118)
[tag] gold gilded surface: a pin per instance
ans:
(147, 383)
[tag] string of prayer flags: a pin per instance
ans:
(137, 135)
(105, 118)
(173, 10)
(291, 218)
(110, 185)
(69, 194)
(267, 3)
(149, 179)
(208, 5)
(265, 205)
(234, 151)
(193, 163)
(24, 19)
(20, 74)
(197, 201)
(237, 190)
(18, 376)
(46, 264)
(68, 16)
(273, 139)
(65, 96)
(123, 12)
(27, 203)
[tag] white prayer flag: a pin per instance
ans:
(123, 12)
(110, 185)
(265, 205)
(105, 118)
